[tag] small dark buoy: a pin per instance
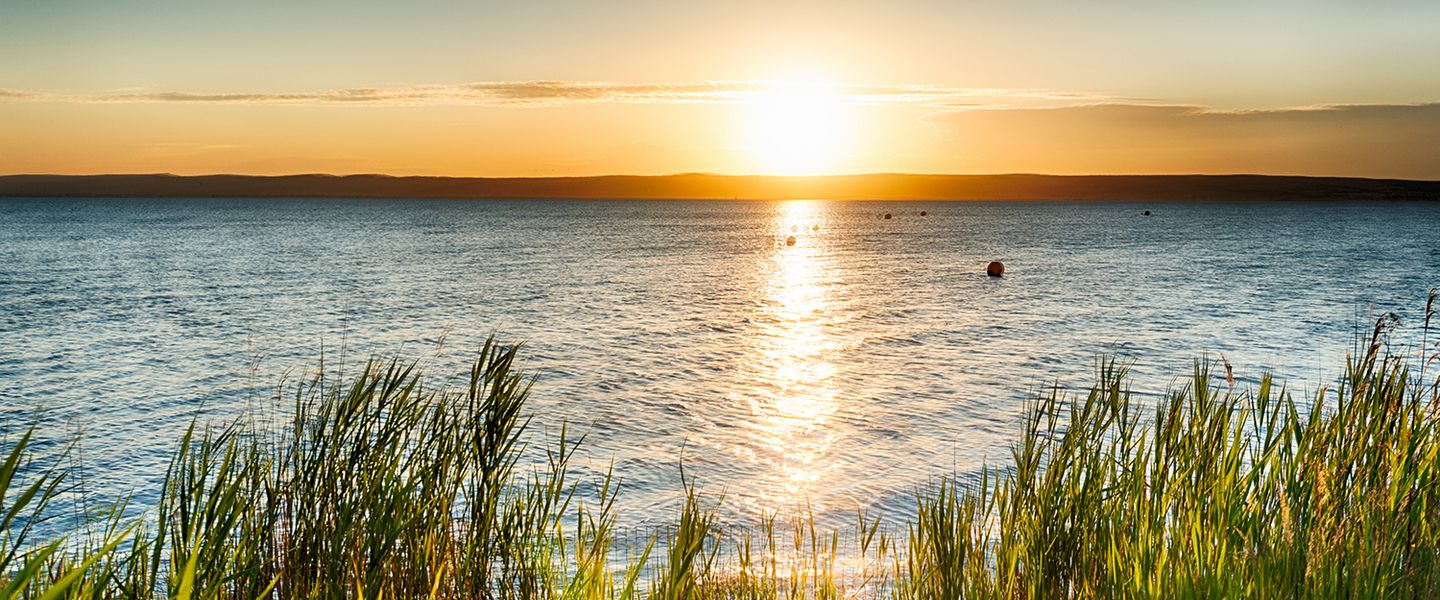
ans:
(790, 241)
(1146, 213)
(995, 268)
(887, 215)
(924, 213)
(815, 228)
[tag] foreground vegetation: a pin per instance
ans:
(383, 488)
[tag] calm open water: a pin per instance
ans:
(868, 358)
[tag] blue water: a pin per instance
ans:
(843, 371)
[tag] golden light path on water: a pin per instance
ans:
(794, 398)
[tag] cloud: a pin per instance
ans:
(1395, 140)
(549, 93)
(981, 129)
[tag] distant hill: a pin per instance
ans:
(697, 186)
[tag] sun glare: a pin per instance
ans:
(796, 128)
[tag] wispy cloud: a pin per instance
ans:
(548, 93)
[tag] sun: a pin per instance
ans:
(796, 127)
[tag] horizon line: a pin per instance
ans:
(717, 174)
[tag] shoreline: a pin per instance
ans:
(881, 187)
(383, 485)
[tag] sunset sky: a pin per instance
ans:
(640, 87)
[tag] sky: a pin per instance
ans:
(547, 88)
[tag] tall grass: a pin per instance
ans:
(384, 488)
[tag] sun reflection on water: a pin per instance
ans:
(794, 398)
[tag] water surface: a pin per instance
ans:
(842, 371)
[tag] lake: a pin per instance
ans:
(867, 359)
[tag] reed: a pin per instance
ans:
(384, 488)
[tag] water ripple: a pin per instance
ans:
(840, 371)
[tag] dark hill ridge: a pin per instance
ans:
(698, 186)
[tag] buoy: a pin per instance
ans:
(1146, 213)
(887, 215)
(995, 268)
(815, 228)
(924, 213)
(790, 241)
